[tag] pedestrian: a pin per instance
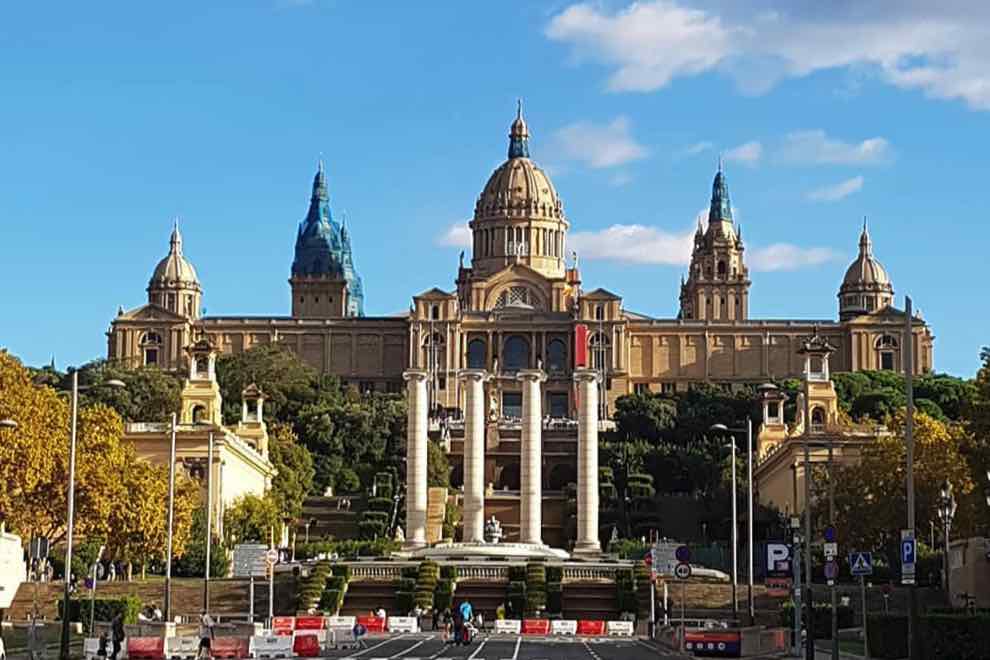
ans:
(500, 612)
(104, 641)
(447, 621)
(117, 628)
(381, 614)
(205, 635)
(111, 572)
(435, 615)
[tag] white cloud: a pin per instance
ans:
(784, 256)
(815, 147)
(940, 48)
(840, 190)
(696, 148)
(634, 244)
(456, 235)
(599, 145)
(748, 153)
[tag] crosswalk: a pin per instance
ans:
(426, 646)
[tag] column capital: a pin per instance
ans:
(537, 375)
(414, 375)
(586, 375)
(478, 375)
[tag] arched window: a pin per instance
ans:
(556, 356)
(476, 354)
(817, 419)
(886, 346)
(721, 269)
(599, 312)
(515, 353)
(151, 343)
(203, 367)
(601, 350)
(435, 312)
(198, 414)
(434, 353)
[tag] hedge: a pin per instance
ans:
(887, 636)
(443, 600)
(381, 516)
(371, 529)
(104, 609)
(380, 504)
(404, 601)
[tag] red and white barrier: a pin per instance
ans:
(229, 648)
(181, 648)
(270, 647)
(590, 628)
(341, 621)
(372, 624)
(508, 626)
(283, 625)
(620, 628)
(563, 627)
(310, 623)
(536, 627)
(403, 624)
(145, 648)
(307, 645)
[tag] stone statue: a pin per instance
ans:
(493, 530)
(400, 536)
(493, 405)
(462, 259)
(615, 535)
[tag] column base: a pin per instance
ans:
(587, 549)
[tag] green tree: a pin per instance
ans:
(294, 465)
(150, 395)
(251, 518)
(192, 563)
(437, 466)
(644, 416)
(289, 383)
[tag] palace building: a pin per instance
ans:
(520, 304)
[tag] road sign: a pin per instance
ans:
(682, 571)
(831, 571)
(830, 534)
(861, 563)
(683, 554)
(831, 550)
(665, 559)
(272, 556)
(250, 560)
(909, 554)
(648, 557)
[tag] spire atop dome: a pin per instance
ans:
(519, 135)
(175, 240)
(865, 244)
(721, 207)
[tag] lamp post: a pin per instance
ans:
(70, 519)
(171, 520)
(946, 511)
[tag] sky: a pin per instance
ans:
(116, 118)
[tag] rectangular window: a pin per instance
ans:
(512, 405)
(151, 356)
(668, 388)
(441, 382)
(641, 388)
(557, 404)
(887, 361)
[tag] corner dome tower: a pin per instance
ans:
(519, 217)
(866, 286)
(174, 285)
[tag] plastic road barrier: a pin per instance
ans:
(229, 648)
(283, 625)
(181, 648)
(306, 646)
(341, 621)
(719, 643)
(270, 647)
(372, 623)
(590, 628)
(621, 628)
(310, 623)
(91, 648)
(536, 627)
(403, 624)
(145, 648)
(508, 626)
(563, 627)
(342, 637)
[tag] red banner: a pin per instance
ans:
(146, 648)
(536, 626)
(580, 345)
(372, 623)
(310, 622)
(306, 646)
(590, 628)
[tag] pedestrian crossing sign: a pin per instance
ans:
(861, 563)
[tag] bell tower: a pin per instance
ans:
(717, 286)
(201, 401)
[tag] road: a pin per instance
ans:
(427, 646)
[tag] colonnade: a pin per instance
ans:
(531, 458)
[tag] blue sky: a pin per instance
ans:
(115, 118)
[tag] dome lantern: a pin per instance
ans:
(866, 286)
(174, 284)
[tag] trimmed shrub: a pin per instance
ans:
(380, 504)
(104, 609)
(336, 582)
(343, 570)
(371, 529)
(449, 572)
(555, 598)
(381, 516)
(536, 601)
(406, 584)
(555, 574)
(331, 600)
(442, 600)
(517, 573)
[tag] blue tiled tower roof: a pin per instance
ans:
(721, 207)
(323, 247)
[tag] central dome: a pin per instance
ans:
(174, 271)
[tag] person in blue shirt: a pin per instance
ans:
(467, 612)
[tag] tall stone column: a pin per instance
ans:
(531, 458)
(587, 494)
(473, 381)
(417, 427)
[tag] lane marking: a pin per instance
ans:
(372, 648)
(515, 654)
(478, 650)
(404, 651)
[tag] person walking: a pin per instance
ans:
(435, 615)
(205, 635)
(117, 630)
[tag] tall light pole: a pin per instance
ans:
(171, 519)
(946, 511)
(722, 428)
(209, 521)
(70, 518)
(907, 359)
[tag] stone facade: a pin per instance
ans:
(519, 304)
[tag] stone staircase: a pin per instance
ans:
(367, 596)
(330, 520)
(485, 597)
(590, 600)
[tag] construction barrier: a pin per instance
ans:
(563, 627)
(307, 646)
(181, 648)
(310, 623)
(341, 621)
(270, 647)
(228, 648)
(536, 627)
(403, 624)
(342, 637)
(283, 625)
(719, 643)
(145, 648)
(91, 648)
(508, 626)
(372, 624)
(589, 628)
(620, 628)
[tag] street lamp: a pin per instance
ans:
(750, 604)
(64, 645)
(946, 510)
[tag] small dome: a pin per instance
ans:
(866, 273)
(174, 271)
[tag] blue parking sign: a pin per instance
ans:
(908, 551)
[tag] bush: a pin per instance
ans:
(449, 572)
(887, 636)
(424, 599)
(406, 584)
(536, 601)
(331, 600)
(410, 572)
(517, 573)
(555, 598)
(517, 587)
(342, 570)
(371, 529)
(337, 582)
(104, 609)
(443, 599)
(445, 586)
(380, 516)
(955, 636)
(380, 504)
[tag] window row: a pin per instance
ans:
(520, 241)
